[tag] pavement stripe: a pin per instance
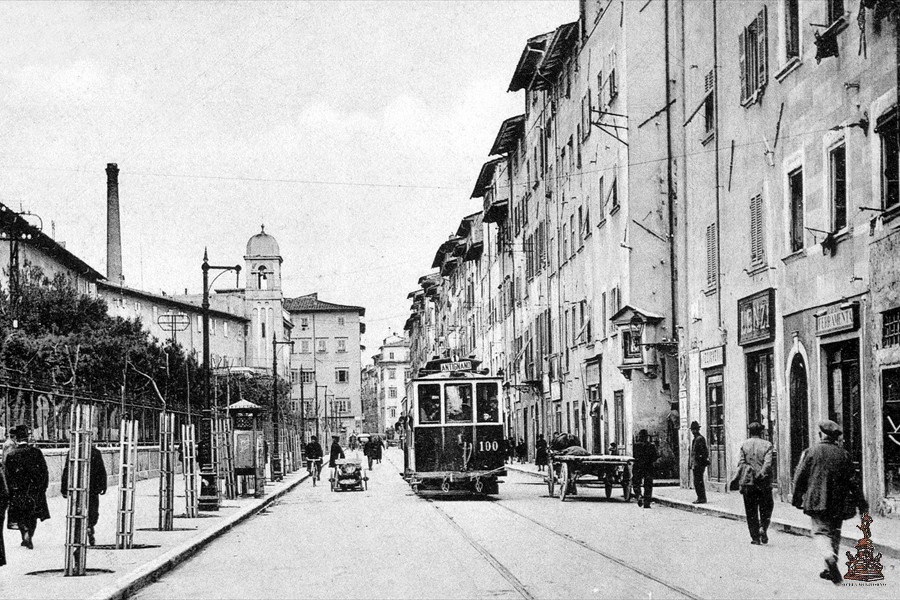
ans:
(506, 573)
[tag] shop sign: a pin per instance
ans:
(756, 323)
(712, 357)
(843, 319)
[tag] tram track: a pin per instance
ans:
(622, 563)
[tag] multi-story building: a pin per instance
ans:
(369, 384)
(393, 372)
(788, 201)
(692, 220)
(326, 363)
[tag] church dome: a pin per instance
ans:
(262, 244)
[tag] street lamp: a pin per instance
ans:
(209, 492)
(277, 471)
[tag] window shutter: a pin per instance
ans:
(743, 63)
(708, 82)
(712, 262)
(757, 240)
(762, 54)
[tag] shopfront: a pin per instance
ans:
(837, 328)
(756, 334)
(712, 361)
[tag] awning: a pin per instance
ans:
(483, 184)
(557, 52)
(529, 61)
(508, 137)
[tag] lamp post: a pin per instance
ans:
(209, 492)
(277, 471)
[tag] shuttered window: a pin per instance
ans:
(712, 257)
(753, 58)
(795, 187)
(757, 235)
(791, 29)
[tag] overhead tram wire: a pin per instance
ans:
(374, 184)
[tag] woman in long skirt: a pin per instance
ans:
(540, 452)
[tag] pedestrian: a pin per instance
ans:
(8, 444)
(754, 480)
(645, 455)
(369, 451)
(511, 448)
(540, 452)
(352, 442)
(521, 451)
(27, 478)
(4, 502)
(827, 489)
(313, 453)
(97, 486)
(336, 451)
(698, 461)
(377, 448)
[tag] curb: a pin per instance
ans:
(149, 573)
(777, 524)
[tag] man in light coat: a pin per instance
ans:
(827, 489)
(754, 479)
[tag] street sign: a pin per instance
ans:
(173, 321)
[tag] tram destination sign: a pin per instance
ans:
(460, 365)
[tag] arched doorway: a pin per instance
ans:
(799, 410)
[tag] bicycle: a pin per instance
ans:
(314, 467)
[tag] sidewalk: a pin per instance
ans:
(785, 518)
(156, 552)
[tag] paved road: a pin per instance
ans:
(388, 543)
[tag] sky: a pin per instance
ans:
(353, 130)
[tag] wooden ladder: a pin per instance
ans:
(81, 419)
(128, 446)
(189, 469)
(166, 471)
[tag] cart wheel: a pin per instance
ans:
(563, 482)
(551, 483)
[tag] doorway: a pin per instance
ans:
(715, 421)
(760, 399)
(799, 402)
(844, 407)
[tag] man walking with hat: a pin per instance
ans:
(698, 461)
(27, 478)
(754, 480)
(827, 489)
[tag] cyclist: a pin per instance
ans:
(313, 453)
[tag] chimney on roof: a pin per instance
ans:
(113, 226)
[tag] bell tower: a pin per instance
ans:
(263, 297)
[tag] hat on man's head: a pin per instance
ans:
(20, 432)
(756, 428)
(695, 425)
(830, 428)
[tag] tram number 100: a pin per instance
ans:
(488, 446)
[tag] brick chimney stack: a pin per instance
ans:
(113, 226)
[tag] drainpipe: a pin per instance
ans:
(670, 189)
(715, 18)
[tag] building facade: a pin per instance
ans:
(327, 363)
(692, 219)
(393, 372)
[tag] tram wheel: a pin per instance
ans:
(563, 482)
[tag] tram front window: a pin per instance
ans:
(488, 406)
(458, 398)
(430, 403)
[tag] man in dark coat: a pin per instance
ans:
(645, 454)
(827, 489)
(754, 480)
(336, 451)
(369, 450)
(27, 478)
(96, 488)
(313, 451)
(698, 461)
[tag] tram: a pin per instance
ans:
(453, 433)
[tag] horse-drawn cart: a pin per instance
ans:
(607, 469)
